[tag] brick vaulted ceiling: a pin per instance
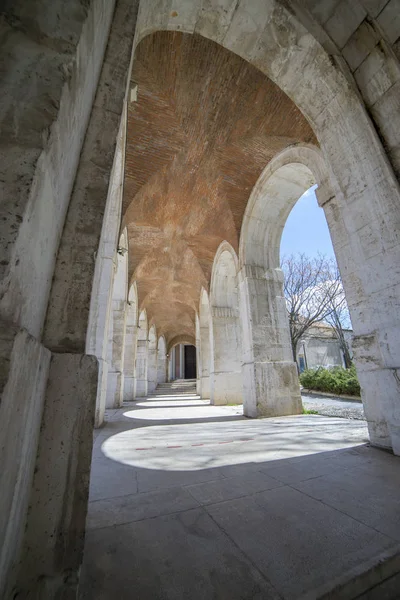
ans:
(205, 125)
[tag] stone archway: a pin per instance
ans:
(366, 193)
(54, 265)
(226, 377)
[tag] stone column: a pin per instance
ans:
(205, 350)
(115, 381)
(129, 359)
(141, 368)
(152, 370)
(373, 300)
(226, 377)
(161, 368)
(270, 380)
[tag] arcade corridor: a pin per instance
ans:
(189, 500)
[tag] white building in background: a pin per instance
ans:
(319, 347)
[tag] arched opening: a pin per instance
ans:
(182, 361)
(130, 344)
(141, 356)
(226, 375)
(116, 333)
(49, 269)
(152, 360)
(319, 320)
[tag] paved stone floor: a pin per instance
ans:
(194, 502)
(333, 407)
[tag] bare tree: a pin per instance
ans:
(309, 292)
(339, 316)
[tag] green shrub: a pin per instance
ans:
(336, 380)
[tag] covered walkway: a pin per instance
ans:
(192, 501)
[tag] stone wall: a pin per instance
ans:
(65, 75)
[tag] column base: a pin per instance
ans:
(205, 387)
(226, 388)
(271, 389)
(380, 392)
(129, 388)
(141, 388)
(115, 386)
(54, 535)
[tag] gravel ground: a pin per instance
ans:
(333, 407)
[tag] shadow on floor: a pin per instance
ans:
(222, 507)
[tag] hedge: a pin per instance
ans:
(336, 380)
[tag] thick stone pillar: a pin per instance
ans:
(52, 550)
(115, 381)
(23, 378)
(129, 359)
(373, 300)
(226, 377)
(270, 380)
(205, 350)
(161, 367)
(152, 370)
(141, 369)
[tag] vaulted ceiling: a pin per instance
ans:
(204, 126)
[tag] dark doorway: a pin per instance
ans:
(190, 362)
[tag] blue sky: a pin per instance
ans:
(306, 229)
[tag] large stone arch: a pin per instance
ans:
(226, 376)
(141, 362)
(152, 360)
(366, 195)
(283, 181)
(130, 343)
(268, 35)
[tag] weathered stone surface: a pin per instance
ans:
(54, 537)
(24, 366)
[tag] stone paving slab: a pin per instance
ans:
(209, 504)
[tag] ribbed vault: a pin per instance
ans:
(204, 126)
